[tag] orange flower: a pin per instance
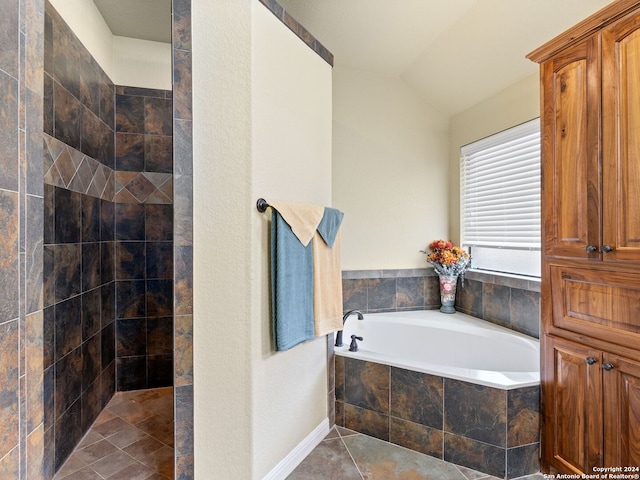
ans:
(447, 259)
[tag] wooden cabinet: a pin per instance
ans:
(574, 441)
(621, 402)
(590, 296)
(595, 412)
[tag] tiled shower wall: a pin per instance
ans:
(107, 240)
(79, 248)
(21, 200)
(144, 238)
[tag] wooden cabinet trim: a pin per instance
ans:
(588, 26)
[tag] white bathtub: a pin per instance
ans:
(454, 346)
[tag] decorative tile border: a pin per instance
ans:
(68, 168)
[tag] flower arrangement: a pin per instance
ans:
(447, 259)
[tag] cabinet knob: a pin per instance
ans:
(592, 248)
(607, 366)
(590, 360)
(607, 249)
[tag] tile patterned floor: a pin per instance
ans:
(348, 455)
(132, 439)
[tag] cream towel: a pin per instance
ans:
(327, 274)
(303, 218)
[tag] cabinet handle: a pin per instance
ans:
(607, 366)
(592, 248)
(607, 249)
(590, 360)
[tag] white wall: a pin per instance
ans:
(126, 61)
(390, 171)
(262, 127)
(291, 151)
(84, 18)
(138, 63)
(514, 105)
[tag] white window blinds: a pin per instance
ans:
(500, 188)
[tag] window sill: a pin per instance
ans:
(504, 279)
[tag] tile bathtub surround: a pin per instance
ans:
(487, 429)
(507, 301)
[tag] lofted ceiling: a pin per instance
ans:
(453, 53)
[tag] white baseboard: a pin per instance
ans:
(295, 456)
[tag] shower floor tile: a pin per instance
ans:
(132, 439)
(345, 454)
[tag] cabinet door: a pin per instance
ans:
(570, 151)
(621, 141)
(573, 414)
(621, 412)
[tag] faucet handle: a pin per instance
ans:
(354, 345)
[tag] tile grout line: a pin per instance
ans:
(350, 456)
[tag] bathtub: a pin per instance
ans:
(455, 346)
(446, 385)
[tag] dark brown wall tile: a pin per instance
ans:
(9, 261)
(418, 397)
(354, 294)
(183, 280)
(410, 292)
(9, 37)
(476, 412)
(91, 310)
(67, 270)
(68, 383)
(182, 24)
(9, 387)
(469, 298)
(160, 335)
(68, 326)
(416, 437)
(523, 460)
(67, 111)
(183, 354)
(129, 112)
(8, 127)
(496, 300)
(473, 454)
(381, 294)
(158, 153)
(131, 373)
(130, 152)
(182, 84)
(366, 421)
(367, 385)
(523, 413)
(525, 312)
(131, 337)
(68, 437)
(157, 116)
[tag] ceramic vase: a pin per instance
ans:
(448, 293)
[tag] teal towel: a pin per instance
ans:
(292, 286)
(330, 224)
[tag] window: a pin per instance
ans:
(500, 204)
